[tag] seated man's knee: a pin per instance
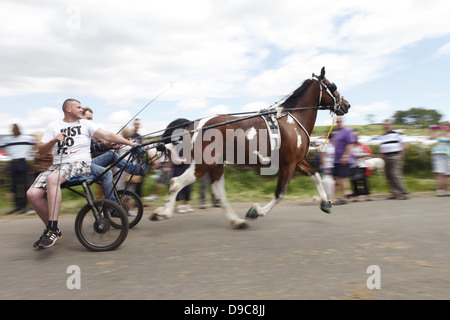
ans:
(35, 193)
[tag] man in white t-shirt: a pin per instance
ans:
(392, 150)
(69, 140)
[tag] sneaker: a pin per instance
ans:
(441, 193)
(36, 244)
(181, 209)
(132, 213)
(49, 238)
(188, 208)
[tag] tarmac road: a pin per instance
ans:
(296, 252)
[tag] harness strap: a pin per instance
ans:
(274, 131)
(299, 124)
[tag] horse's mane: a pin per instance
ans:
(291, 102)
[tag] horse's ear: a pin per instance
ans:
(322, 73)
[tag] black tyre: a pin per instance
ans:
(133, 206)
(105, 234)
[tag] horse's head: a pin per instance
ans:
(330, 96)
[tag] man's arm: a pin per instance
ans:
(46, 147)
(109, 136)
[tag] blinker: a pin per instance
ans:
(332, 87)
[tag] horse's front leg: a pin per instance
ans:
(176, 184)
(304, 168)
(284, 178)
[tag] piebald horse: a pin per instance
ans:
(213, 140)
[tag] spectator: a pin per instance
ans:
(344, 140)
(165, 174)
(138, 139)
(440, 155)
(326, 157)
(359, 171)
(205, 181)
(18, 147)
(392, 149)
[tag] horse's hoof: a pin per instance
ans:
(240, 225)
(251, 213)
(325, 206)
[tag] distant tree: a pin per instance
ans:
(370, 118)
(419, 117)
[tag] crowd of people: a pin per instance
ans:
(71, 146)
(346, 163)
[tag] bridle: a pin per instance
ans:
(329, 89)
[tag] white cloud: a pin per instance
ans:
(192, 104)
(444, 50)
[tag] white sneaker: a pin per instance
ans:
(132, 213)
(151, 197)
(440, 193)
(181, 209)
(189, 208)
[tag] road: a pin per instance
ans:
(296, 252)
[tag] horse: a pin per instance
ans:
(213, 142)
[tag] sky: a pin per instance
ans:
(204, 57)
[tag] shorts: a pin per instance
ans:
(66, 170)
(441, 163)
(341, 170)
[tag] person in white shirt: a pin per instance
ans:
(18, 147)
(392, 149)
(70, 141)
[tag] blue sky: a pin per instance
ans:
(220, 57)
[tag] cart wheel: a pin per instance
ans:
(97, 234)
(132, 204)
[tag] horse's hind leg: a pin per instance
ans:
(284, 178)
(176, 184)
(304, 168)
(218, 190)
